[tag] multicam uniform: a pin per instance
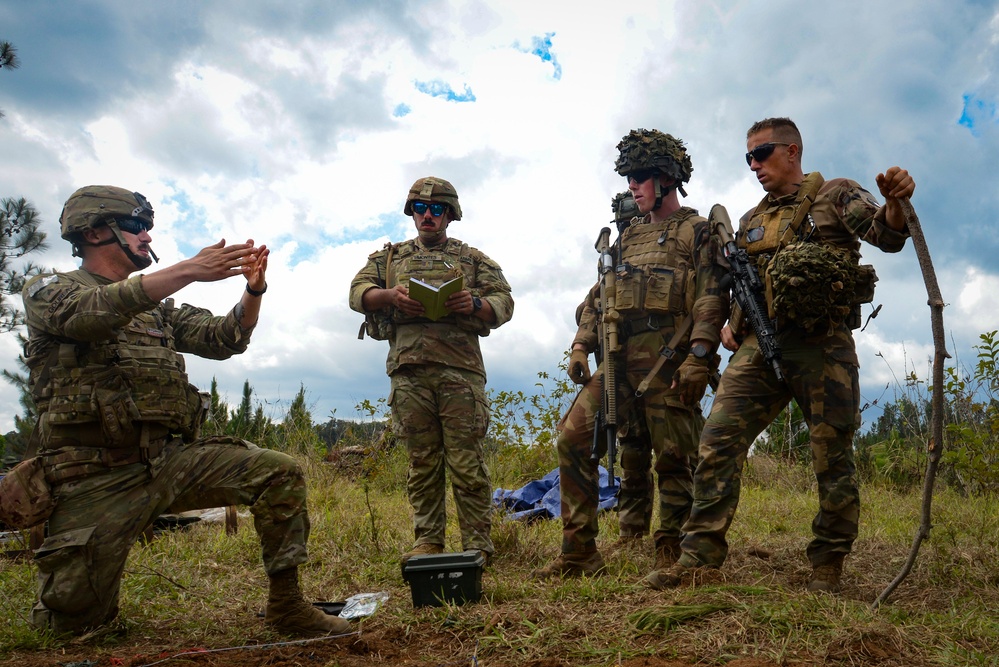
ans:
(666, 270)
(438, 400)
(119, 424)
(820, 366)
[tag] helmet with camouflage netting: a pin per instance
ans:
(645, 149)
(432, 189)
(624, 207)
(96, 205)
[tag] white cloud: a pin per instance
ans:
(281, 128)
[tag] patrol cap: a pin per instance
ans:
(643, 149)
(94, 205)
(432, 189)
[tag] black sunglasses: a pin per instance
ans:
(132, 225)
(436, 209)
(641, 175)
(763, 151)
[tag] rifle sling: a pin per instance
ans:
(668, 353)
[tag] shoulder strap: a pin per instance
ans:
(389, 273)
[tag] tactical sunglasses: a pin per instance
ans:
(763, 151)
(641, 175)
(132, 225)
(436, 209)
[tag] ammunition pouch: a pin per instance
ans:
(658, 290)
(26, 498)
(377, 325)
(116, 411)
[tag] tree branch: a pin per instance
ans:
(935, 444)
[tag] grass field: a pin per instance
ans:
(202, 589)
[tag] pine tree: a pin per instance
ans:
(8, 59)
(19, 236)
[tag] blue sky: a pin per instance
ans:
(303, 125)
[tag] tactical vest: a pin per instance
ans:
(774, 226)
(135, 377)
(652, 274)
(434, 266)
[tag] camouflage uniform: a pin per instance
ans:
(439, 407)
(119, 425)
(821, 372)
(660, 284)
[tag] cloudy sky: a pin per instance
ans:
(302, 125)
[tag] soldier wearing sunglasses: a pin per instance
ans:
(439, 407)
(668, 269)
(119, 423)
(803, 237)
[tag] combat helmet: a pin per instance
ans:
(645, 149)
(95, 205)
(432, 189)
(624, 208)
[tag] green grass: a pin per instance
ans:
(201, 587)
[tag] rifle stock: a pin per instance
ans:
(748, 289)
(610, 345)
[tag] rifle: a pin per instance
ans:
(606, 418)
(748, 290)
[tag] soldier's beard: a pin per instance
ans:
(431, 237)
(140, 261)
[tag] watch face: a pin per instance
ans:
(476, 303)
(699, 351)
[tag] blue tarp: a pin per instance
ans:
(539, 499)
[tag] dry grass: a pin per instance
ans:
(202, 588)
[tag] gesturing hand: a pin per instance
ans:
(219, 261)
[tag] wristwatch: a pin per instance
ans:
(699, 351)
(476, 304)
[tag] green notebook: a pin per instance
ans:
(432, 297)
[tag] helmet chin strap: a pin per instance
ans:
(139, 261)
(664, 191)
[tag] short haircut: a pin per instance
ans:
(784, 129)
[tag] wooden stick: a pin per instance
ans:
(935, 445)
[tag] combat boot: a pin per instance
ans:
(628, 542)
(422, 550)
(572, 565)
(667, 552)
(289, 613)
(826, 578)
(679, 575)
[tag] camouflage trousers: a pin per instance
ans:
(657, 418)
(821, 374)
(637, 494)
(441, 415)
(99, 517)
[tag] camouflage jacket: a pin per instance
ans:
(679, 275)
(88, 334)
(454, 339)
(843, 213)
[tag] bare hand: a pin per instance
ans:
(896, 183)
(728, 339)
(255, 273)
(399, 296)
(219, 261)
(460, 302)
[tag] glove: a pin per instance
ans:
(579, 367)
(692, 380)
